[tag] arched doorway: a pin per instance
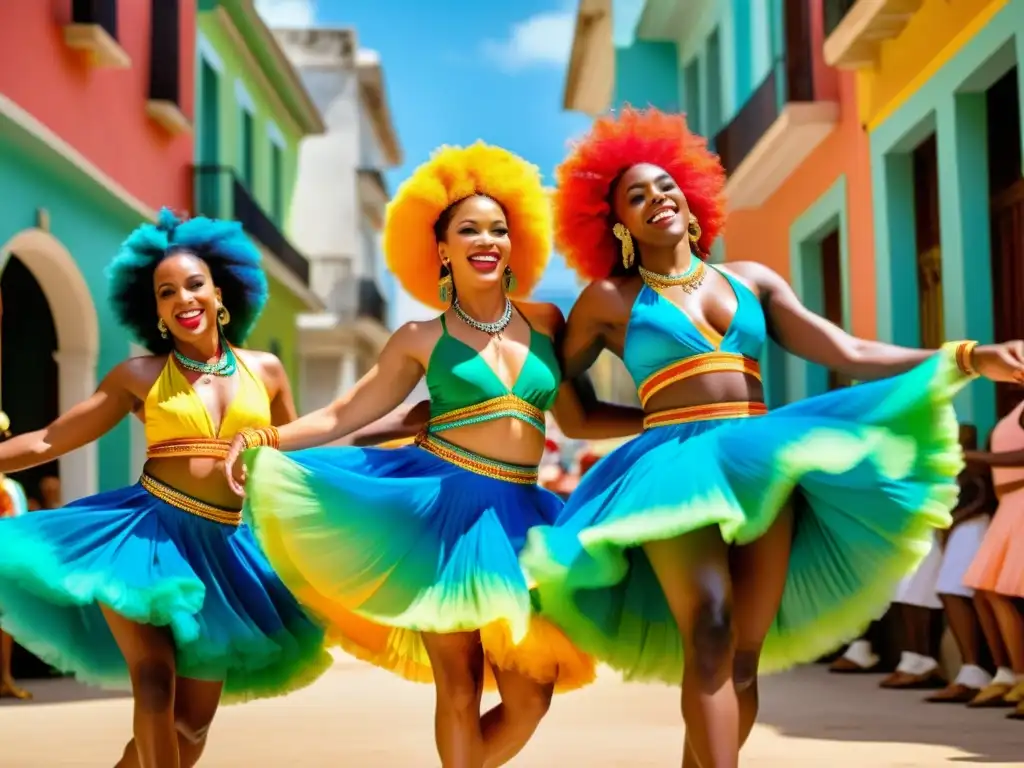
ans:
(41, 264)
(28, 341)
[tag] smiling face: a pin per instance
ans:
(651, 205)
(476, 245)
(186, 298)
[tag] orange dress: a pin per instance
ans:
(999, 565)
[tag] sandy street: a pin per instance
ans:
(358, 716)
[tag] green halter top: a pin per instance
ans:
(465, 390)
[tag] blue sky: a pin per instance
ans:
(461, 70)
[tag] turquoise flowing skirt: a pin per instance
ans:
(230, 617)
(875, 466)
(383, 545)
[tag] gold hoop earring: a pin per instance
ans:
(509, 280)
(223, 316)
(445, 286)
(622, 234)
(694, 230)
(162, 327)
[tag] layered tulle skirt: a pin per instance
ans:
(871, 471)
(999, 564)
(148, 553)
(383, 545)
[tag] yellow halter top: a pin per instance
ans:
(177, 422)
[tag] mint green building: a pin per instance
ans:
(252, 112)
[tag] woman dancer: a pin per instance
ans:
(997, 572)
(410, 553)
(680, 543)
(158, 584)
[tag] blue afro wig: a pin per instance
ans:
(234, 264)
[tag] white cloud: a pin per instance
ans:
(287, 13)
(541, 40)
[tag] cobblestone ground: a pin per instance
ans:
(358, 716)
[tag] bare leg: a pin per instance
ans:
(457, 660)
(693, 571)
(149, 653)
(990, 629)
(8, 685)
(195, 704)
(1011, 627)
(508, 727)
(759, 572)
(966, 629)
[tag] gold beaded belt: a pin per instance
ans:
(709, 412)
(189, 504)
(501, 407)
(189, 446)
(709, 362)
(481, 465)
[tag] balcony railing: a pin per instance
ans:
(835, 12)
(102, 13)
(371, 303)
(220, 194)
(791, 79)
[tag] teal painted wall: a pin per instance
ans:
(825, 216)
(91, 225)
(950, 104)
(646, 75)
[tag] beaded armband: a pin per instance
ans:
(264, 437)
(962, 352)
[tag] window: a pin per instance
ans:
(209, 124)
(691, 80)
(276, 184)
(248, 148)
(714, 84)
(164, 70)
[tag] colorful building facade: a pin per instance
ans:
(340, 197)
(94, 138)
(751, 77)
(252, 114)
(940, 95)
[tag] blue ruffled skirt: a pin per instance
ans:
(871, 469)
(208, 583)
(385, 544)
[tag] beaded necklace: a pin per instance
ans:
(689, 281)
(225, 365)
(492, 329)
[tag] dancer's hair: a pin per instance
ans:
(420, 212)
(234, 264)
(583, 199)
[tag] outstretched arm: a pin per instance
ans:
(812, 337)
(987, 458)
(84, 423)
(380, 391)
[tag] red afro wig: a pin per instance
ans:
(582, 208)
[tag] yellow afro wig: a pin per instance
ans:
(452, 174)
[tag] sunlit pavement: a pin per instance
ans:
(358, 716)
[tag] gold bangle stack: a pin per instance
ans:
(962, 352)
(263, 437)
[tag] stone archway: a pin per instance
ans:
(78, 339)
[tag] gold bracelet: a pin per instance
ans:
(264, 437)
(962, 352)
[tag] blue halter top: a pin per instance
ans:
(664, 345)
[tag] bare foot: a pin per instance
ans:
(11, 690)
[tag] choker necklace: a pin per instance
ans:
(225, 365)
(689, 281)
(493, 329)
